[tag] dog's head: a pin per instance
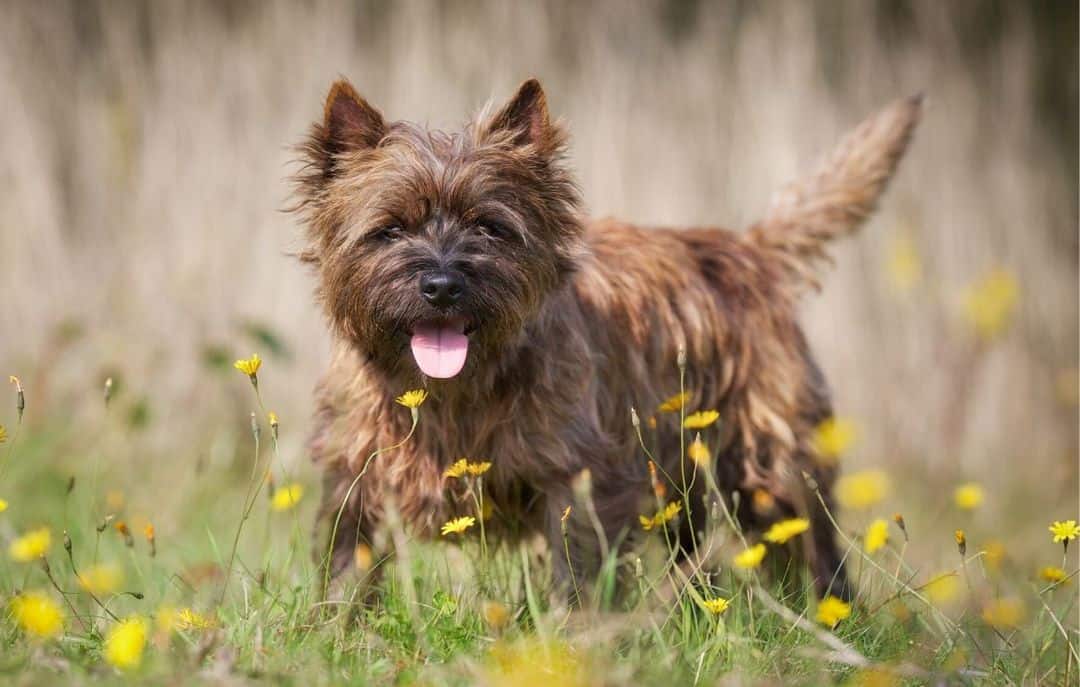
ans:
(435, 249)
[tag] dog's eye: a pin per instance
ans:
(495, 230)
(390, 233)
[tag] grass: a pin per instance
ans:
(481, 612)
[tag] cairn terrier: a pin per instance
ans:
(462, 264)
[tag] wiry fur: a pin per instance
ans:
(575, 323)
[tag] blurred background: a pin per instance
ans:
(146, 148)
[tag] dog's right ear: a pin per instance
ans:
(349, 125)
(349, 122)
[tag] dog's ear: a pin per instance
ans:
(525, 118)
(349, 122)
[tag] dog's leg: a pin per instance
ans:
(826, 560)
(337, 553)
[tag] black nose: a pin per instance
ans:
(442, 289)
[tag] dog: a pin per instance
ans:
(462, 264)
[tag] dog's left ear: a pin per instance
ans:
(525, 115)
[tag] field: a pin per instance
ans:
(143, 252)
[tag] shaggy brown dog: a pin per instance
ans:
(461, 263)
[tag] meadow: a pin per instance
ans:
(143, 252)
(233, 592)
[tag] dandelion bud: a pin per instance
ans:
(67, 542)
(273, 424)
(582, 484)
(105, 523)
(70, 485)
(681, 358)
(639, 568)
(659, 490)
(45, 565)
(565, 514)
(122, 528)
(108, 390)
(150, 538)
(136, 595)
(634, 419)
(255, 429)
(961, 542)
(20, 398)
(899, 520)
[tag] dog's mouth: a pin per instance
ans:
(440, 347)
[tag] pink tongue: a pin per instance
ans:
(440, 350)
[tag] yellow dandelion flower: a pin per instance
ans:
(861, 490)
(989, 303)
(104, 578)
(762, 501)
(458, 525)
(943, 588)
(968, 496)
(832, 438)
(31, 546)
(125, 643)
(495, 614)
(994, 554)
(831, 610)
(189, 619)
(671, 510)
(458, 469)
(1005, 613)
(675, 403)
(1064, 530)
(3, 505)
(904, 264)
(698, 451)
(662, 517)
(114, 500)
(37, 614)
(1053, 575)
(412, 399)
(477, 469)
(286, 497)
(3, 434)
(249, 366)
(782, 531)
(272, 418)
(750, 558)
(170, 619)
(536, 663)
(700, 419)
(716, 606)
(961, 541)
(363, 558)
(877, 535)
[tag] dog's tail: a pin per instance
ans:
(835, 200)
